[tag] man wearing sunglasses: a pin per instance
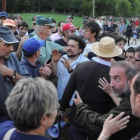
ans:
(137, 58)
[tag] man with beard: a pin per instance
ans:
(63, 68)
(59, 34)
(121, 74)
(68, 30)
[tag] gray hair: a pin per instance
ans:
(29, 101)
(130, 69)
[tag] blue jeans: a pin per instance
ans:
(81, 134)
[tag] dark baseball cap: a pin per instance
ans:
(7, 35)
(3, 14)
(32, 45)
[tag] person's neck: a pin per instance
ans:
(65, 39)
(103, 58)
(2, 61)
(54, 29)
(32, 60)
(72, 59)
(42, 36)
(60, 33)
(91, 40)
(39, 131)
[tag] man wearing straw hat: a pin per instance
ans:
(84, 79)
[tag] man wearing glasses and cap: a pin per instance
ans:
(43, 31)
(10, 69)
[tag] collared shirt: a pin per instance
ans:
(45, 52)
(33, 70)
(101, 61)
(63, 75)
(13, 63)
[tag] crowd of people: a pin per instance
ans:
(56, 72)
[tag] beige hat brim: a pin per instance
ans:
(116, 52)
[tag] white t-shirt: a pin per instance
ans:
(88, 48)
(55, 36)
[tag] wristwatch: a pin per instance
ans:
(14, 75)
(70, 71)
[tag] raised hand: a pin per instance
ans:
(104, 85)
(56, 56)
(66, 63)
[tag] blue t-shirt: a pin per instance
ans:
(6, 126)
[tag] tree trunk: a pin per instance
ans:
(52, 9)
(4, 5)
(39, 5)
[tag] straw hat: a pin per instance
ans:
(106, 48)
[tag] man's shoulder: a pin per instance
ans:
(59, 40)
(82, 58)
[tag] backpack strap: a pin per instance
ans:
(8, 134)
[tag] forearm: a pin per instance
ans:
(115, 99)
(54, 68)
(90, 120)
(19, 52)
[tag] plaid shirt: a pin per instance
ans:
(94, 121)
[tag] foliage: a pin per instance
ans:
(123, 7)
(80, 7)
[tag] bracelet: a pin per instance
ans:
(70, 71)
(104, 136)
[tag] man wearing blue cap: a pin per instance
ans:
(31, 51)
(10, 69)
(43, 31)
(3, 16)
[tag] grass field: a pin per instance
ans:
(58, 17)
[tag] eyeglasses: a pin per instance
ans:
(49, 27)
(136, 59)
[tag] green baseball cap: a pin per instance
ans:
(35, 17)
(44, 21)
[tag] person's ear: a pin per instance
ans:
(138, 100)
(129, 82)
(80, 50)
(36, 53)
(94, 34)
(44, 120)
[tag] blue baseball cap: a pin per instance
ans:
(32, 45)
(3, 14)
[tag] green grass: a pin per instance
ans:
(58, 17)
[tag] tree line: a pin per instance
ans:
(127, 8)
